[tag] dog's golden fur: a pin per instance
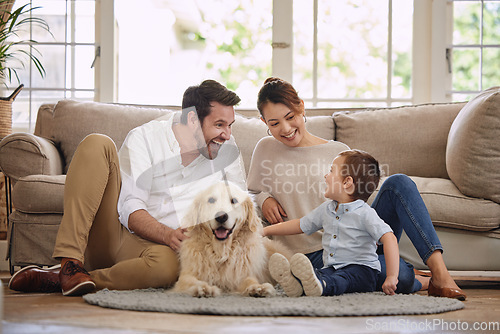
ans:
(225, 251)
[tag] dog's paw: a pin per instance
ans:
(260, 290)
(204, 290)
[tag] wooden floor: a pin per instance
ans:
(53, 313)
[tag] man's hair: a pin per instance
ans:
(364, 170)
(202, 95)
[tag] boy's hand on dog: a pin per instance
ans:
(272, 211)
(174, 238)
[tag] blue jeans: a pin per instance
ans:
(400, 205)
(351, 278)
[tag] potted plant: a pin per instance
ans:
(12, 56)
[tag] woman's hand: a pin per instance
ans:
(272, 211)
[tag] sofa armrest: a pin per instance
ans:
(23, 154)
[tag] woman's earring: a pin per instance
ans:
(268, 133)
(305, 119)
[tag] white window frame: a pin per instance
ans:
(106, 60)
(69, 91)
(432, 45)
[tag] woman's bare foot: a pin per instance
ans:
(441, 278)
(424, 280)
(442, 284)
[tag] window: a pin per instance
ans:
(474, 55)
(349, 52)
(461, 40)
(353, 52)
(343, 53)
(166, 46)
(66, 55)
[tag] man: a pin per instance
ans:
(146, 187)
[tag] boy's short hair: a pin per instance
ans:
(364, 170)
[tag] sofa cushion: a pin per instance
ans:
(409, 140)
(247, 131)
(473, 151)
(448, 207)
(72, 121)
(321, 126)
(39, 194)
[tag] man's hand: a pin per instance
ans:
(272, 211)
(174, 238)
(145, 226)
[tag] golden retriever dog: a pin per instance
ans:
(225, 251)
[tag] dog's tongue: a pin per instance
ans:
(221, 233)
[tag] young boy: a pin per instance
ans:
(351, 230)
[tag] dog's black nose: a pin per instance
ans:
(221, 217)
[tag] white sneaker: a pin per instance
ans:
(303, 269)
(280, 271)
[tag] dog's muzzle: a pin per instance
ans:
(222, 233)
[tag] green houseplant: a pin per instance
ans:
(12, 55)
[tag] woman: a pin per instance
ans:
(286, 174)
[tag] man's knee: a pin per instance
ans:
(96, 141)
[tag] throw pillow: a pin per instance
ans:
(409, 140)
(473, 150)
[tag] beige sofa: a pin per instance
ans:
(451, 151)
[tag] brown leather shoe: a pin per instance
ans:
(75, 281)
(445, 292)
(35, 279)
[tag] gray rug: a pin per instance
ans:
(355, 304)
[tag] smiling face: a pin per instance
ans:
(287, 126)
(215, 130)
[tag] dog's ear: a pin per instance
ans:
(253, 219)
(191, 218)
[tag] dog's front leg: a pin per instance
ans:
(196, 288)
(251, 287)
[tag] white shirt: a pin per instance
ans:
(351, 233)
(154, 179)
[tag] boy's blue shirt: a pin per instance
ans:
(350, 233)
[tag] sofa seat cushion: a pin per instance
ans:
(73, 121)
(448, 207)
(409, 140)
(473, 151)
(39, 194)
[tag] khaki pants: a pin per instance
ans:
(91, 232)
